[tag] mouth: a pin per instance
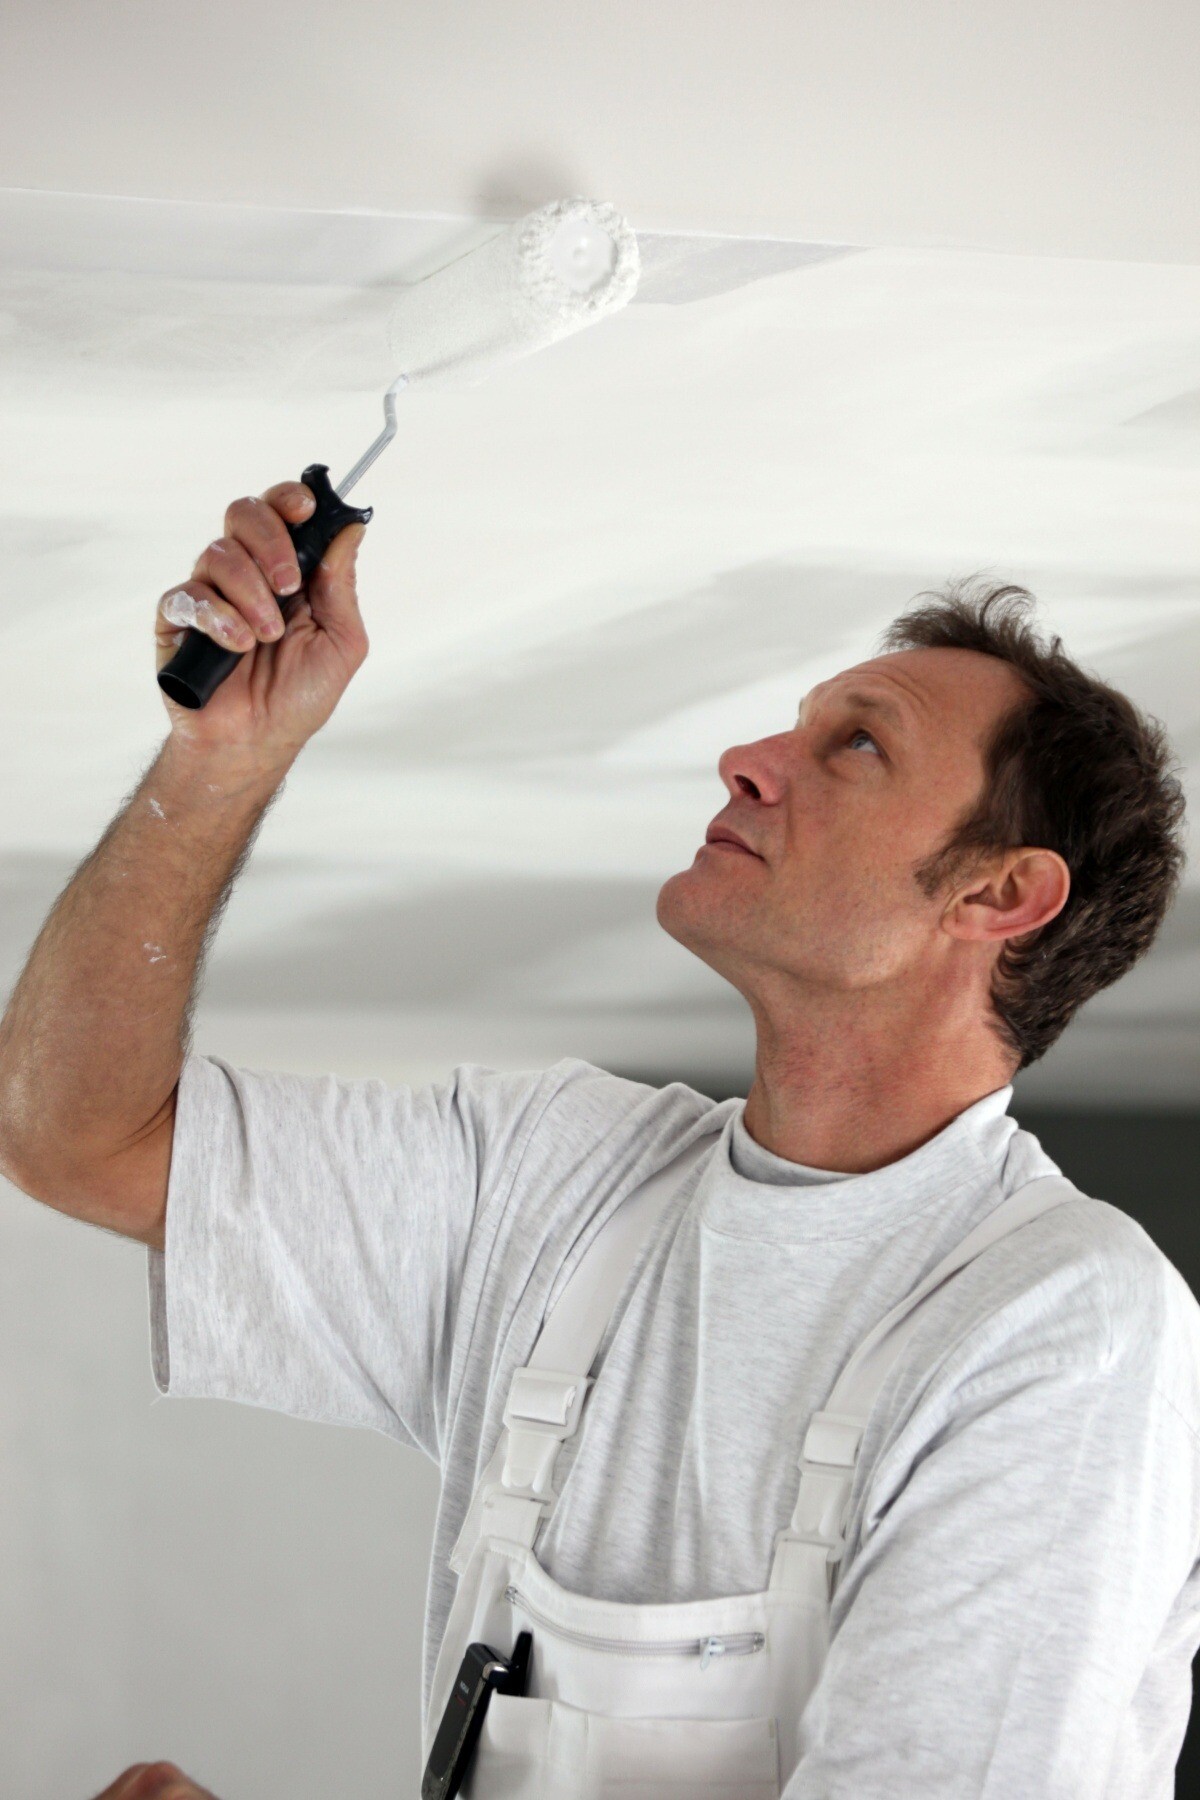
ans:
(719, 837)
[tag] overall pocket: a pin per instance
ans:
(534, 1749)
(737, 1643)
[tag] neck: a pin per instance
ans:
(855, 1081)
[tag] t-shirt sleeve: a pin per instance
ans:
(1025, 1570)
(317, 1232)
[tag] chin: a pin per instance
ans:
(671, 904)
(688, 914)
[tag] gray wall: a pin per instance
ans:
(240, 1592)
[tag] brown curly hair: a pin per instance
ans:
(1076, 769)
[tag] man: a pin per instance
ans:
(914, 885)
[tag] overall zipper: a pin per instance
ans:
(740, 1643)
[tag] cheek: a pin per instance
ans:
(855, 887)
(867, 855)
(890, 840)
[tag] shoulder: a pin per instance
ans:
(1153, 1317)
(581, 1137)
(594, 1096)
(584, 1085)
(1083, 1289)
(585, 1115)
(564, 1138)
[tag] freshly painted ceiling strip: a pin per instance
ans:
(196, 241)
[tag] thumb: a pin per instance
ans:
(332, 589)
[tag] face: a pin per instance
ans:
(836, 814)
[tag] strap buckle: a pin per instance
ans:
(833, 1438)
(796, 1568)
(543, 1408)
(516, 1514)
(546, 1399)
(834, 1548)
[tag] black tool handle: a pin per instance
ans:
(200, 665)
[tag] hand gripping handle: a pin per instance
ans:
(200, 665)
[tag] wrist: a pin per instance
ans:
(224, 771)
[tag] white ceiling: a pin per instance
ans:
(590, 574)
(1034, 125)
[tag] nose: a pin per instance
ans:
(756, 770)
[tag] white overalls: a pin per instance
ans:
(671, 1701)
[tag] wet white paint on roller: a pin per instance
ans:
(560, 269)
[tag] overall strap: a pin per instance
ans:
(808, 1551)
(545, 1399)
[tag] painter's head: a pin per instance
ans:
(968, 814)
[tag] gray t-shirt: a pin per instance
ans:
(1020, 1598)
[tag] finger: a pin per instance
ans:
(142, 1781)
(292, 499)
(120, 1788)
(164, 1781)
(229, 568)
(261, 528)
(200, 606)
(333, 590)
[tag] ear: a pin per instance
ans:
(1025, 889)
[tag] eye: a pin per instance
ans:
(862, 740)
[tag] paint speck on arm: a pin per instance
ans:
(155, 953)
(156, 809)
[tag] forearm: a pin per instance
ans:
(95, 1032)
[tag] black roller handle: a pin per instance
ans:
(200, 665)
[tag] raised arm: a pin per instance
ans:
(96, 1029)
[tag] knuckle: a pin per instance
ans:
(220, 547)
(240, 509)
(155, 1780)
(203, 609)
(178, 605)
(124, 1788)
(289, 494)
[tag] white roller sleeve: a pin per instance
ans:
(560, 268)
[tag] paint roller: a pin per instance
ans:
(567, 265)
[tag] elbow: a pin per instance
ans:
(18, 1159)
(81, 1189)
(25, 1142)
(121, 1187)
(30, 1158)
(29, 1167)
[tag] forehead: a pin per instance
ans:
(959, 691)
